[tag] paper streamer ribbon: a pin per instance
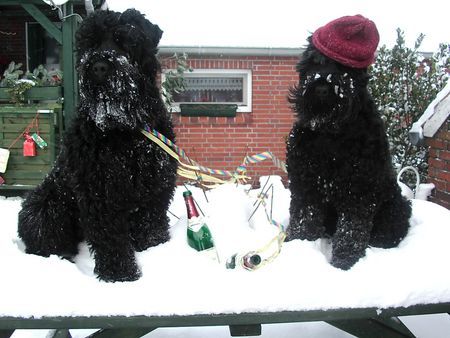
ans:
(192, 170)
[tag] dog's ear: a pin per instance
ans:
(133, 16)
(157, 34)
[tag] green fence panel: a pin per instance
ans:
(28, 171)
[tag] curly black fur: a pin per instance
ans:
(340, 175)
(110, 185)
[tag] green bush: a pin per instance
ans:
(403, 84)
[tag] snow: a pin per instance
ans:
(431, 107)
(414, 273)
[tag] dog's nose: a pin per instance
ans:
(321, 91)
(100, 71)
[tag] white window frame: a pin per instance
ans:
(246, 75)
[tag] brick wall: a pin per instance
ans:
(439, 165)
(222, 142)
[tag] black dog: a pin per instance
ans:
(110, 185)
(340, 175)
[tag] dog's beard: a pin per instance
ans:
(115, 103)
(326, 112)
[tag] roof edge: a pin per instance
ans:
(432, 119)
(243, 51)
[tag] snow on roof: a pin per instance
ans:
(433, 117)
(437, 112)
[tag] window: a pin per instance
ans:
(42, 49)
(216, 86)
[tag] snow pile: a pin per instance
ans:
(178, 280)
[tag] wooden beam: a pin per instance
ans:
(374, 327)
(49, 26)
(62, 333)
(121, 333)
(148, 322)
(245, 330)
(70, 78)
(6, 333)
(16, 2)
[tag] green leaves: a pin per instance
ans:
(174, 81)
(403, 84)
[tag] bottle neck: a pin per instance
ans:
(191, 208)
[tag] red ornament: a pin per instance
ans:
(29, 147)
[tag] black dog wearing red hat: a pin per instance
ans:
(340, 175)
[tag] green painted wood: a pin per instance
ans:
(39, 2)
(245, 330)
(214, 110)
(374, 327)
(13, 129)
(4, 95)
(9, 187)
(27, 108)
(62, 333)
(19, 161)
(14, 120)
(20, 176)
(44, 93)
(35, 93)
(49, 26)
(121, 333)
(16, 2)
(6, 333)
(217, 319)
(70, 79)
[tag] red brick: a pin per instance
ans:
(444, 155)
(219, 141)
(436, 163)
(437, 143)
(433, 153)
(439, 184)
(443, 175)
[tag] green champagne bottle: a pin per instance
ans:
(198, 234)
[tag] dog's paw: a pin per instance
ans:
(125, 275)
(309, 232)
(117, 267)
(344, 263)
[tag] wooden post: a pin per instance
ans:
(70, 78)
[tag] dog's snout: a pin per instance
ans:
(321, 91)
(100, 71)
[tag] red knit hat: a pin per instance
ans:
(350, 40)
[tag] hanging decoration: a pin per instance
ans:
(4, 157)
(29, 144)
(29, 147)
(39, 141)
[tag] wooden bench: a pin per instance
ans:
(362, 322)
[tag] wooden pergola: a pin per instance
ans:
(65, 36)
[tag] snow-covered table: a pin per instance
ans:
(181, 288)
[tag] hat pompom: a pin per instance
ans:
(349, 40)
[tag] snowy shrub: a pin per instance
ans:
(404, 82)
